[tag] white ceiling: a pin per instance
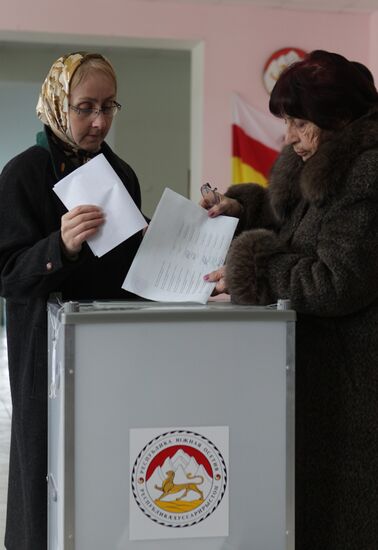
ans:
(340, 6)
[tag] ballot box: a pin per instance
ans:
(171, 426)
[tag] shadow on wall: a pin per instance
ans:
(2, 312)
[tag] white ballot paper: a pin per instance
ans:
(97, 183)
(180, 246)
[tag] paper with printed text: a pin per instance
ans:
(181, 245)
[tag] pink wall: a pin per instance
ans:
(373, 60)
(237, 41)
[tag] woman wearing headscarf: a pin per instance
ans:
(311, 237)
(43, 250)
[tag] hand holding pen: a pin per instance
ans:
(216, 203)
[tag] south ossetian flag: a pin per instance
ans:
(257, 139)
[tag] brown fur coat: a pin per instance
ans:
(321, 251)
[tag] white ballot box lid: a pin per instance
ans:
(112, 311)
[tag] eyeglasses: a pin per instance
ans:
(206, 189)
(90, 112)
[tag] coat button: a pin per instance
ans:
(49, 266)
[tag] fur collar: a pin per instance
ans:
(324, 174)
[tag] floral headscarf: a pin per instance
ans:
(52, 107)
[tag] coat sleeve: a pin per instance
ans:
(257, 211)
(31, 261)
(338, 278)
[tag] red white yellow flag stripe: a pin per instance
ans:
(257, 138)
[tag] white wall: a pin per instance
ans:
(18, 128)
(153, 131)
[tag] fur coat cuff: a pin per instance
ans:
(247, 266)
(254, 199)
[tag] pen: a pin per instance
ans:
(206, 189)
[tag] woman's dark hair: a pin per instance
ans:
(367, 72)
(324, 88)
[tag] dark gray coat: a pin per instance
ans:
(321, 252)
(31, 267)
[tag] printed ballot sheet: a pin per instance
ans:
(180, 246)
(97, 183)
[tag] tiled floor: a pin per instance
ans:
(5, 423)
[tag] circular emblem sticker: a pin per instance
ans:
(277, 62)
(179, 478)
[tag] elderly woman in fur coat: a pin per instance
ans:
(312, 237)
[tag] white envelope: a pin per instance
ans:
(97, 183)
